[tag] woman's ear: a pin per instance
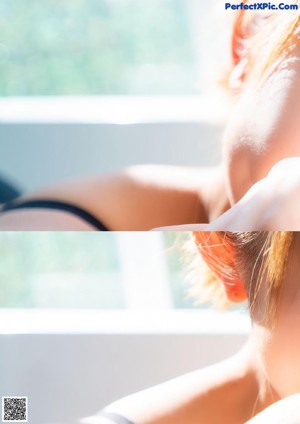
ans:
(237, 75)
(238, 53)
(219, 255)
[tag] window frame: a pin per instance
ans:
(148, 297)
(118, 322)
(119, 110)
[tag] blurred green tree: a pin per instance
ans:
(90, 47)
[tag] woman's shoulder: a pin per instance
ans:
(185, 399)
(137, 198)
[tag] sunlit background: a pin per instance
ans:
(85, 270)
(87, 318)
(94, 86)
(96, 47)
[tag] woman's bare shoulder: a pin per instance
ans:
(138, 198)
(189, 398)
(285, 411)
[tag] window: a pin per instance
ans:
(177, 263)
(59, 270)
(85, 271)
(83, 47)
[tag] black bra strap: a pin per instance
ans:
(58, 205)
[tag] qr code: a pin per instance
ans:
(14, 409)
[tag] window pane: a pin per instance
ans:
(177, 259)
(59, 270)
(96, 47)
(92, 270)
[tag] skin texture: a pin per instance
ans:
(279, 348)
(261, 155)
(272, 203)
(139, 198)
(263, 128)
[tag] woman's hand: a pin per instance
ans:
(273, 203)
(286, 411)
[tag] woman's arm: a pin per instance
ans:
(139, 198)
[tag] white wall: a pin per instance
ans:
(71, 363)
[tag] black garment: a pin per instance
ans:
(8, 191)
(115, 418)
(58, 205)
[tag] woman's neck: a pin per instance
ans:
(256, 393)
(213, 193)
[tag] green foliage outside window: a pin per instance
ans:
(88, 47)
(59, 270)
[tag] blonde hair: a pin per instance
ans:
(254, 255)
(262, 40)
